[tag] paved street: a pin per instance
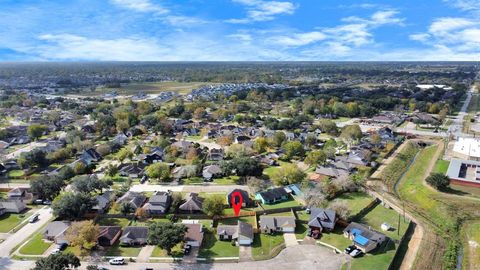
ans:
(25, 232)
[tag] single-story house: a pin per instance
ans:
(194, 234)
(134, 236)
(136, 199)
(271, 224)
(55, 231)
(242, 233)
(108, 235)
(20, 194)
(103, 201)
(185, 171)
(363, 237)
(13, 206)
(464, 172)
(246, 201)
(272, 196)
(90, 156)
(193, 203)
(211, 171)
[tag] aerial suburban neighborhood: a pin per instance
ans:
(240, 135)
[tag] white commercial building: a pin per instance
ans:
(467, 148)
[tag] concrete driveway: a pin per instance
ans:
(290, 239)
(25, 232)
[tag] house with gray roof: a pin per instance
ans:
(136, 199)
(271, 224)
(321, 220)
(134, 236)
(55, 231)
(103, 201)
(193, 203)
(363, 237)
(242, 233)
(159, 203)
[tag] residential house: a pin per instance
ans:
(321, 220)
(55, 231)
(20, 194)
(151, 157)
(103, 202)
(271, 224)
(120, 139)
(331, 171)
(211, 171)
(185, 171)
(108, 235)
(90, 156)
(363, 237)
(194, 234)
(14, 206)
(272, 196)
(215, 154)
(131, 170)
(136, 199)
(242, 233)
(193, 203)
(134, 236)
(246, 200)
(159, 203)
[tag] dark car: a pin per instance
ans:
(187, 249)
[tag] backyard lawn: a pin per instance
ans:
(263, 244)
(117, 250)
(356, 201)
(8, 221)
(212, 247)
(234, 221)
(379, 215)
(35, 246)
(301, 224)
(286, 204)
(122, 222)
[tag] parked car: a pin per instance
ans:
(38, 201)
(349, 249)
(47, 202)
(187, 249)
(309, 232)
(356, 252)
(117, 261)
(33, 218)
(59, 248)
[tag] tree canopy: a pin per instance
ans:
(59, 261)
(166, 235)
(72, 206)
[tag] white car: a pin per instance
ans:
(117, 261)
(356, 252)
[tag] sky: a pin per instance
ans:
(239, 30)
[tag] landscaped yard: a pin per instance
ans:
(336, 238)
(9, 221)
(35, 246)
(263, 244)
(234, 221)
(16, 173)
(227, 180)
(271, 170)
(117, 250)
(212, 247)
(356, 201)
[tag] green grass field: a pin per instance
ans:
(234, 221)
(117, 250)
(149, 88)
(122, 222)
(9, 221)
(441, 166)
(264, 243)
(35, 246)
(336, 239)
(16, 173)
(472, 239)
(286, 204)
(212, 247)
(356, 201)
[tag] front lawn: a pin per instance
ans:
(227, 180)
(263, 244)
(117, 250)
(35, 246)
(212, 247)
(336, 238)
(16, 173)
(8, 221)
(380, 259)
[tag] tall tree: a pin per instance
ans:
(166, 235)
(72, 206)
(214, 205)
(59, 261)
(83, 234)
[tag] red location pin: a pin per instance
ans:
(237, 201)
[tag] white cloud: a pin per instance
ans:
(259, 10)
(140, 6)
(420, 37)
(299, 39)
(467, 5)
